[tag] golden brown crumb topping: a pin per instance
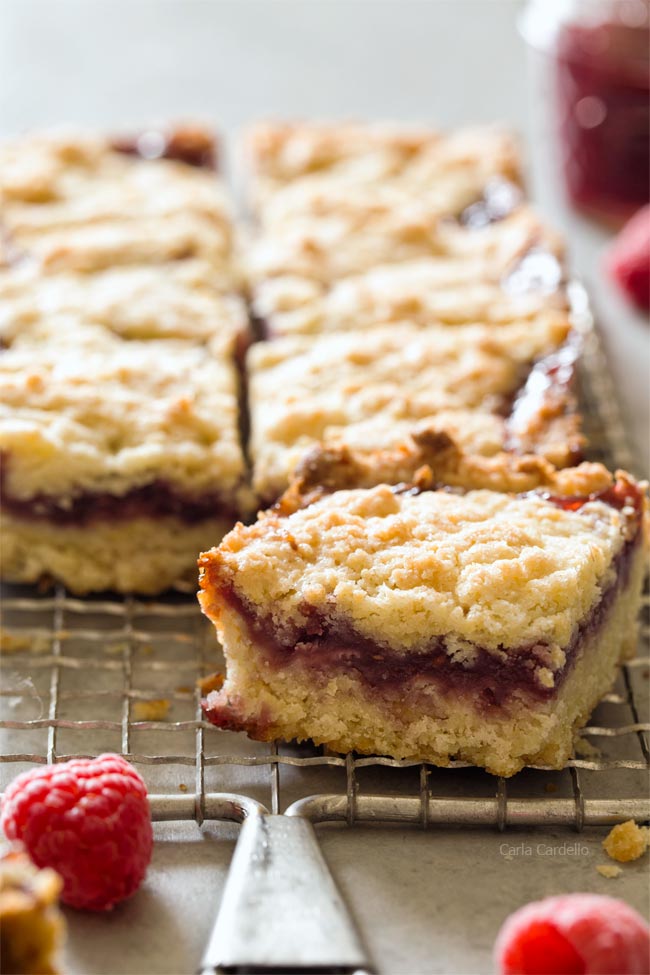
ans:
(181, 299)
(402, 568)
(355, 154)
(373, 391)
(353, 239)
(85, 410)
(71, 202)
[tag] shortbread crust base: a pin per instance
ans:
(138, 555)
(344, 714)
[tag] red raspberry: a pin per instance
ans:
(575, 934)
(628, 259)
(89, 820)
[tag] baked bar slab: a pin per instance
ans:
(372, 391)
(100, 437)
(84, 203)
(430, 625)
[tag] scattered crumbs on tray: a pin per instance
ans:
(117, 648)
(156, 710)
(627, 841)
(586, 749)
(609, 870)
(34, 643)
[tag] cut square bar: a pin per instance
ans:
(120, 459)
(78, 202)
(386, 265)
(486, 390)
(432, 625)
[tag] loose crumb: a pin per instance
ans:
(627, 841)
(184, 689)
(183, 788)
(12, 643)
(116, 648)
(609, 870)
(550, 787)
(45, 584)
(151, 710)
(585, 749)
(213, 682)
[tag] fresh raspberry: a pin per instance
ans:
(628, 258)
(89, 820)
(575, 934)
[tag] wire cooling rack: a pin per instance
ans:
(83, 676)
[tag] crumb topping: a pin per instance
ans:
(86, 411)
(498, 571)
(449, 290)
(355, 154)
(182, 299)
(372, 391)
(71, 202)
(353, 239)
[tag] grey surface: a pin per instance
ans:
(429, 902)
(425, 902)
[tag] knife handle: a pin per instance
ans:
(281, 910)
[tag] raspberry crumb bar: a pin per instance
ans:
(177, 299)
(488, 390)
(367, 225)
(388, 259)
(430, 624)
(72, 202)
(120, 459)
(120, 325)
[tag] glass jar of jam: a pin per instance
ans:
(598, 54)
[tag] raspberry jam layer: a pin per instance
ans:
(545, 394)
(159, 499)
(189, 145)
(328, 645)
